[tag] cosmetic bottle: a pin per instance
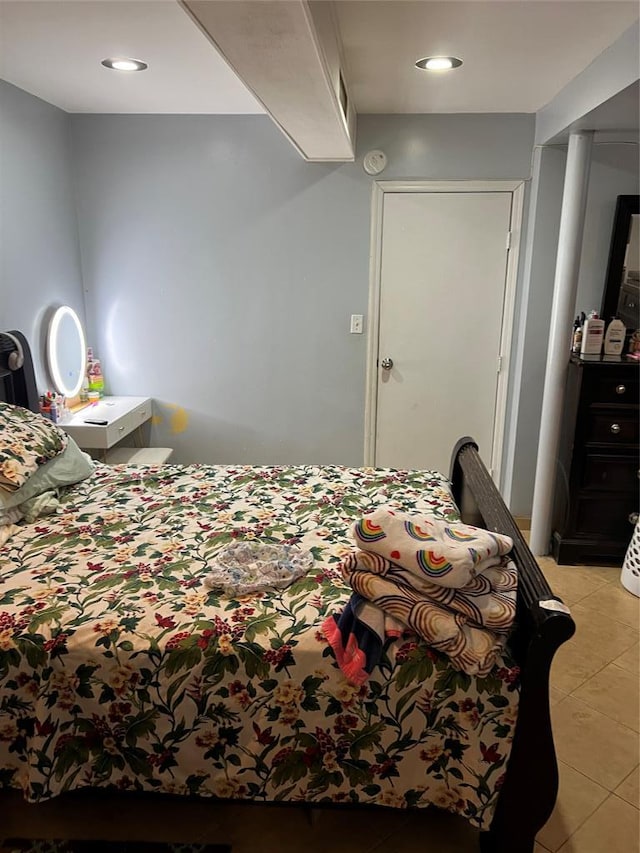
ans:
(576, 339)
(592, 335)
(614, 337)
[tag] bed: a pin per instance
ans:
(120, 670)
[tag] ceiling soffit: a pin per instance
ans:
(287, 53)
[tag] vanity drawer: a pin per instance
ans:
(610, 473)
(97, 436)
(116, 430)
(141, 414)
(613, 427)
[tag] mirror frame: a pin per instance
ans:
(626, 206)
(52, 357)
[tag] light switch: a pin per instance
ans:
(356, 324)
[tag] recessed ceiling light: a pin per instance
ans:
(125, 64)
(438, 63)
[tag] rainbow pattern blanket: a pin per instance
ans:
(468, 623)
(446, 554)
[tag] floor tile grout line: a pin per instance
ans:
(635, 628)
(597, 589)
(617, 722)
(611, 663)
(567, 840)
(608, 793)
(580, 686)
(622, 799)
(591, 779)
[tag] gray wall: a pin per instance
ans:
(221, 270)
(39, 255)
(614, 171)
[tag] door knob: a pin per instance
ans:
(386, 363)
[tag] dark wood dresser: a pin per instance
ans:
(596, 496)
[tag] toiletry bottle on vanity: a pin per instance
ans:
(592, 335)
(96, 379)
(614, 337)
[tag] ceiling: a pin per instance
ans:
(518, 54)
(54, 49)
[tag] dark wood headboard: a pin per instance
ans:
(17, 386)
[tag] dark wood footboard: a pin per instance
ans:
(543, 623)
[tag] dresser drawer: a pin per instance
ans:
(611, 387)
(607, 518)
(610, 473)
(613, 427)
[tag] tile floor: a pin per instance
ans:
(595, 713)
(595, 716)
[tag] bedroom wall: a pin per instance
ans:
(39, 253)
(614, 171)
(208, 236)
(221, 270)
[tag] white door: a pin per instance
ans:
(443, 271)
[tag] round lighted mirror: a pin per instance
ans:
(66, 351)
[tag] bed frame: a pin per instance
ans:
(543, 623)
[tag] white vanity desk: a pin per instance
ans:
(101, 425)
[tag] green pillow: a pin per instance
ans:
(70, 466)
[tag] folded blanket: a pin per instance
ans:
(357, 637)
(470, 648)
(446, 553)
(489, 600)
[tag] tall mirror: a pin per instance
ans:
(622, 284)
(66, 351)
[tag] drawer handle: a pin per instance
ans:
(121, 429)
(615, 428)
(633, 517)
(620, 389)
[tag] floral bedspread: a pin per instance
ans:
(119, 666)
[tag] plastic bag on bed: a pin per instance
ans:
(242, 568)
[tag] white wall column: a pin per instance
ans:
(574, 199)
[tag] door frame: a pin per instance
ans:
(378, 190)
